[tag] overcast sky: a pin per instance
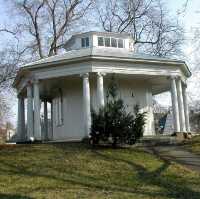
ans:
(190, 20)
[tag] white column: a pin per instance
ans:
(50, 135)
(175, 105)
(181, 105)
(21, 120)
(45, 120)
(100, 90)
(185, 102)
(86, 104)
(30, 126)
(37, 125)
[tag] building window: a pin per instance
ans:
(59, 108)
(85, 42)
(100, 41)
(107, 42)
(120, 43)
(114, 42)
(110, 42)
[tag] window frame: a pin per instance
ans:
(103, 42)
(85, 42)
(111, 42)
(114, 39)
(122, 43)
(105, 38)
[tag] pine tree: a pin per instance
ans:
(112, 122)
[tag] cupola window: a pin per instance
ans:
(100, 41)
(107, 42)
(110, 42)
(120, 43)
(114, 42)
(85, 42)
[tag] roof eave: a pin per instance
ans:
(98, 57)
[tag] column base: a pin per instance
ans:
(182, 135)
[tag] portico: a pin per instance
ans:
(69, 86)
(179, 105)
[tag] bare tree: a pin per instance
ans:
(4, 108)
(46, 24)
(10, 56)
(184, 7)
(40, 28)
(146, 20)
(9, 60)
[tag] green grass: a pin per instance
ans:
(56, 171)
(193, 144)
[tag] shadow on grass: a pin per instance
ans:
(169, 188)
(10, 196)
(172, 188)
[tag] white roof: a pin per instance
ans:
(96, 52)
(103, 52)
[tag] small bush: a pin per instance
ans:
(112, 123)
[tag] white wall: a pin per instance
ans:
(138, 92)
(132, 92)
(72, 128)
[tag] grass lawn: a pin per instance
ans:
(194, 144)
(54, 171)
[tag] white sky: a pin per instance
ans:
(190, 19)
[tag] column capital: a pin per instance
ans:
(84, 75)
(178, 78)
(174, 77)
(100, 74)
